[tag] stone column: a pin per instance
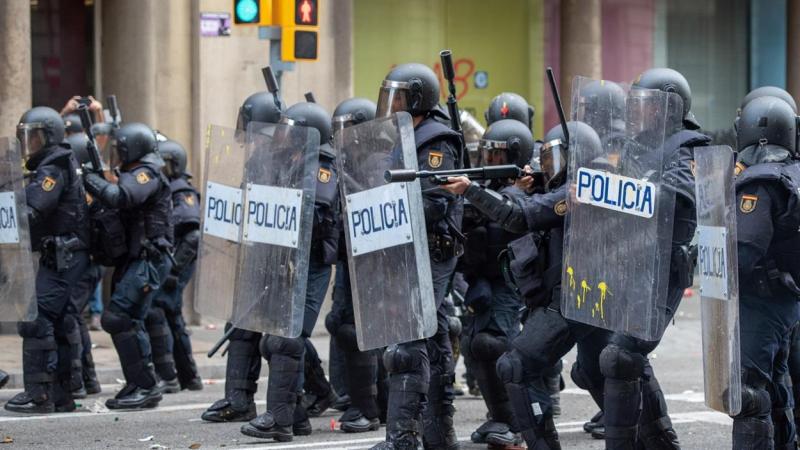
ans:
(129, 57)
(581, 44)
(793, 47)
(15, 62)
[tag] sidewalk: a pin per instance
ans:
(107, 364)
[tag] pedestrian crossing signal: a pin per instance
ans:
(299, 22)
(252, 12)
(305, 12)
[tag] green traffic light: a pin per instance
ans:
(246, 11)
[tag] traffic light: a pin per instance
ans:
(252, 12)
(299, 22)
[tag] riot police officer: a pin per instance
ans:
(426, 366)
(143, 199)
(494, 306)
(767, 241)
(57, 216)
(629, 377)
(106, 244)
(361, 367)
(285, 417)
(546, 335)
(509, 105)
(244, 358)
(172, 348)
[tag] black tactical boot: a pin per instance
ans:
(195, 384)
(301, 425)
(238, 407)
(135, 397)
(353, 421)
(264, 427)
(595, 425)
(37, 398)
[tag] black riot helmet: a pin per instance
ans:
(132, 142)
(767, 131)
(412, 87)
(553, 154)
(79, 142)
(311, 115)
(509, 105)
(601, 105)
(670, 80)
(259, 107)
(174, 156)
(510, 137)
(352, 112)
(38, 128)
(771, 91)
(72, 124)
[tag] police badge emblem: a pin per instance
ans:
(748, 203)
(48, 184)
(435, 159)
(560, 208)
(142, 178)
(324, 175)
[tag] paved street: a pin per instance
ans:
(176, 423)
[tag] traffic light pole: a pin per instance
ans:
(273, 34)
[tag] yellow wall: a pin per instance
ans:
(503, 39)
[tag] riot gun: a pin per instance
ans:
(272, 85)
(113, 110)
(91, 145)
(559, 106)
(440, 177)
(452, 105)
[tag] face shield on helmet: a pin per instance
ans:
(392, 98)
(493, 153)
(552, 158)
(31, 137)
(339, 123)
(642, 107)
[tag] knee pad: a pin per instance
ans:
(245, 335)
(454, 327)
(36, 329)
(510, 367)
(346, 338)
(488, 347)
(621, 364)
(400, 358)
(115, 322)
(155, 318)
(291, 347)
(582, 379)
(67, 326)
(756, 402)
(332, 323)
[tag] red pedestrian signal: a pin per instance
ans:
(305, 12)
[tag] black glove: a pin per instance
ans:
(170, 283)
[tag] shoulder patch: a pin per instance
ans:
(435, 159)
(48, 184)
(142, 177)
(189, 199)
(748, 203)
(560, 208)
(738, 168)
(324, 175)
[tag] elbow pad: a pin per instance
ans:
(186, 252)
(497, 208)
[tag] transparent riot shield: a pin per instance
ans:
(618, 229)
(218, 254)
(719, 277)
(387, 246)
(17, 271)
(279, 185)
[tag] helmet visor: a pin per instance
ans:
(31, 138)
(552, 158)
(642, 108)
(393, 98)
(493, 153)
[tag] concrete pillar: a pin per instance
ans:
(129, 56)
(15, 63)
(793, 47)
(581, 44)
